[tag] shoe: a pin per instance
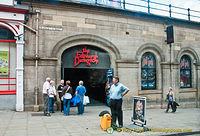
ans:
(120, 126)
(114, 127)
(48, 114)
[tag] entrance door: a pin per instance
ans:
(94, 81)
(89, 64)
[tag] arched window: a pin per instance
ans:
(148, 71)
(6, 34)
(185, 72)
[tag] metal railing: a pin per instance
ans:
(168, 9)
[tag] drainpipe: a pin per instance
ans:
(36, 106)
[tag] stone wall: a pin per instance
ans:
(125, 37)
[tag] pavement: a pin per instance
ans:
(34, 124)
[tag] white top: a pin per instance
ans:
(52, 91)
(46, 86)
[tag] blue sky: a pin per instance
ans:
(192, 4)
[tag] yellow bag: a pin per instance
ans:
(105, 121)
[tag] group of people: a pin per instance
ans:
(116, 92)
(65, 93)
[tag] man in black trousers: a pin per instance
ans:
(117, 91)
(60, 89)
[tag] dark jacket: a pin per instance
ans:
(70, 90)
(174, 106)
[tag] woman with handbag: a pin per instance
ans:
(67, 95)
(170, 98)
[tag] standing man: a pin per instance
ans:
(117, 91)
(46, 87)
(60, 88)
(80, 91)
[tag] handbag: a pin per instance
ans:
(62, 98)
(67, 95)
(86, 100)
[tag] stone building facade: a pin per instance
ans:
(132, 40)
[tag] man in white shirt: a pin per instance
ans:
(46, 87)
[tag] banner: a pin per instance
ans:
(139, 109)
(3, 62)
(111, 3)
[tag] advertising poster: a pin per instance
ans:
(111, 3)
(3, 62)
(139, 109)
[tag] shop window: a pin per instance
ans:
(185, 72)
(148, 71)
(6, 34)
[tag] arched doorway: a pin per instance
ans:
(87, 63)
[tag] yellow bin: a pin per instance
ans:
(105, 121)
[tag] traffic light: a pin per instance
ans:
(170, 34)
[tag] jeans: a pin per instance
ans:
(66, 105)
(46, 103)
(116, 111)
(51, 103)
(80, 108)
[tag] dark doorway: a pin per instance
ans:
(89, 64)
(94, 81)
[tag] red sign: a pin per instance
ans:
(83, 57)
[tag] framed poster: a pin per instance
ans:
(139, 110)
(4, 62)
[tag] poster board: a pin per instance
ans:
(4, 62)
(139, 110)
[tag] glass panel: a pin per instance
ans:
(185, 72)
(6, 34)
(148, 74)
